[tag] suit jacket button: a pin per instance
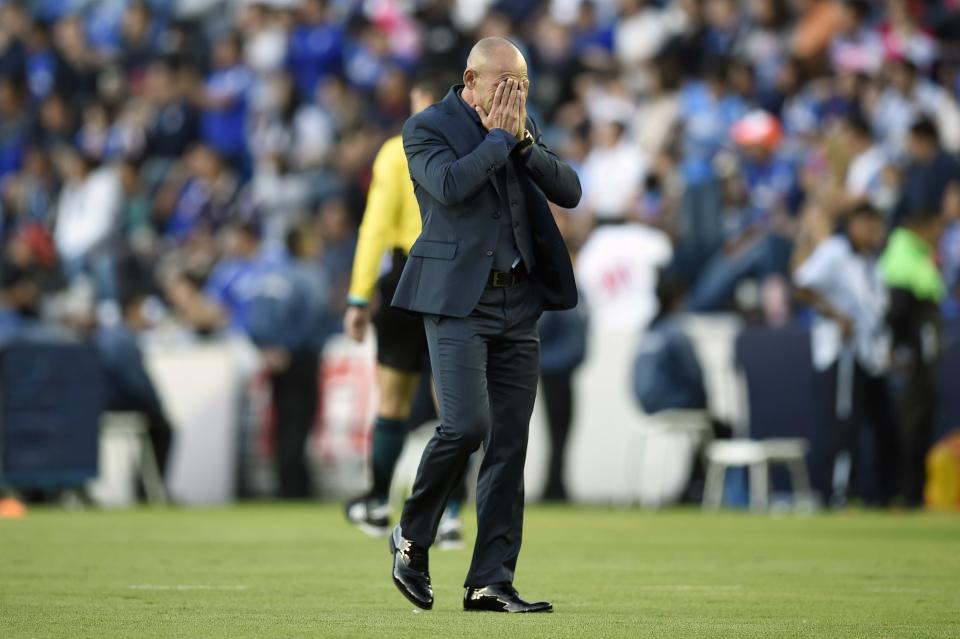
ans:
(489, 253)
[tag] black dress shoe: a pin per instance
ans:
(411, 571)
(500, 598)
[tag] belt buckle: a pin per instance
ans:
(502, 280)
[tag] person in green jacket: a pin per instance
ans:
(916, 291)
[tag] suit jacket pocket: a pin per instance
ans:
(436, 250)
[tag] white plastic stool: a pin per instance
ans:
(132, 426)
(792, 453)
(690, 422)
(757, 456)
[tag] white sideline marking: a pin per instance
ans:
(896, 589)
(184, 587)
(690, 587)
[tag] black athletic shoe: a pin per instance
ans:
(500, 598)
(411, 570)
(449, 534)
(371, 518)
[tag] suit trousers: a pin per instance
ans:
(485, 367)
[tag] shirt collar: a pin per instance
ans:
(469, 109)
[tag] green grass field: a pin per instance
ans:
(300, 571)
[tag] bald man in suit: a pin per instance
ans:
(488, 262)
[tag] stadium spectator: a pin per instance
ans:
(41, 62)
(842, 281)
(28, 271)
(916, 291)
(907, 97)
(55, 123)
(234, 282)
(224, 104)
(13, 123)
(198, 198)
(868, 175)
(759, 245)
(286, 319)
(931, 171)
(563, 347)
(292, 132)
(78, 65)
(339, 242)
(903, 39)
(858, 48)
(136, 46)
(281, 304)
(708, 109)
(616, 269)
(666, 371)
(315, 50)
(615, 169)
(87, 215)
(127, 384)
(264, 27)
(171, 121)
(644, 28)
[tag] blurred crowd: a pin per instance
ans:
(162, 160)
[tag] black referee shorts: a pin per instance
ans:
(401, 341)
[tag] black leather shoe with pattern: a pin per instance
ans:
(411, 570)
(500, 598)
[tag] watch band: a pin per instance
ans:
(526, 142)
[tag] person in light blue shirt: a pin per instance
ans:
(707, 111)
(285, 319)
(280, 303)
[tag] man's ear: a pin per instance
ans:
(469, 79)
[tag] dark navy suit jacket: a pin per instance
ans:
(453, 168)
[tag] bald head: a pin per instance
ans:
(492, 61)
(495, 52)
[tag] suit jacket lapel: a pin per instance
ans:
(464, 134)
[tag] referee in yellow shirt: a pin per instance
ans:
(392, 222)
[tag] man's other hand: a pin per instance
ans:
(355, 322)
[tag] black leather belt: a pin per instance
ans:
(499, 279)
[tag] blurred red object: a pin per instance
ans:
(40, 242)
(757, 128)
